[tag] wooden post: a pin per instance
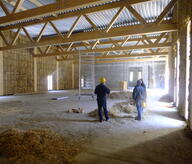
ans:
(35, 74)
(1, 71)
(57, 78)
(72, 74)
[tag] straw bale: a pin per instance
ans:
(36, 146)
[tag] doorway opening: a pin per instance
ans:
(50, 82)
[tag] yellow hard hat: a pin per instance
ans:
(102, 80)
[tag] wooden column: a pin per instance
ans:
(73, 75)
(1, 71)
(57, 78)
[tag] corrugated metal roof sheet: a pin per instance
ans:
(28, 5)
(2, 12)
(46, 2)
(149, 10)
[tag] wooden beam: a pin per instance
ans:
(27, 34)
(4, 39)
(130, 60)
(41, 32)
(16, 36)
(125, 41)
(73, 26)
(94, 35)
(165, 11)
(69, 48)
(36, 2)
(114, 19)
(18, 6)
(47, 49)
(122, 56)
(160, 37)
(136, 14)
(54, 8)
(6, 11)
(95, 44)
(162, 45)
(90, 21)
(56, 30)
(133, 55)
(122, 61)
(13, 3)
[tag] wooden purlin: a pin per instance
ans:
(95, 35)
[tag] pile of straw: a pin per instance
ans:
(36, 146)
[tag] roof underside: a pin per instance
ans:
(148, 10)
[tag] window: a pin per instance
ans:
(82, 82)
(131, 76)
(139, 75)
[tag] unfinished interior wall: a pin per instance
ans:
(152, 73)
(17, 69)
(46, 66)
(184, 9)
(65, 75)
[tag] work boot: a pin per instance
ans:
(136, 118)
(107, 119)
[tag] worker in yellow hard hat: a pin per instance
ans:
(101, 91)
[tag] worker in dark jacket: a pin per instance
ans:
(145, 91)
(101, 91)
(139, 97)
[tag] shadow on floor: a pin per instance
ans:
(174, 148)
(170, 114)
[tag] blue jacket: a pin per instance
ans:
(138, 93)
(101, 91)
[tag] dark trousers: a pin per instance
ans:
(139, 108)
(102, 104)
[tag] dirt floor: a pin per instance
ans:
(158, 138)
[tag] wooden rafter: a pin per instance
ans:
(4, 39)
(39, 49)
(73, 26)
(53, 8)
(95, 44)
(131, 60)
(69, 48)
(90, 21)
(121, 56)
(41, 32)
(136, 45)
(61, 48)
(47, 49)
(27, 34)
(114, 19)
(36, 2)
(16, 36)
(18, 6)
(94, 35)
(4, 8)
(136, 14)
(165, 11)
(13, 3)
(56, 29)
(125, 41)
(162, 45)
(160, 37)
